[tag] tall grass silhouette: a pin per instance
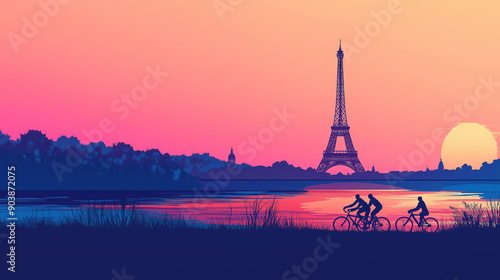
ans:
(261, 213)
(266, 215)
(475, 215)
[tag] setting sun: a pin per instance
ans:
(469, 143)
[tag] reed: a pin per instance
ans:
(475, 215)
(261, 213)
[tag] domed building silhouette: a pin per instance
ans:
(231, 158)
(441, 165)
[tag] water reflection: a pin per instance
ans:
(318, 204)
(321, 204)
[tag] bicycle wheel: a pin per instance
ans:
(381, 224)
(404, 224)
(430, 225)
(341, 224)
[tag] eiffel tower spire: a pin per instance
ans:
(340, 112)
(340, 128)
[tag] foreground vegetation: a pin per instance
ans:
(124, 241)
(259, 214)
(475, 215)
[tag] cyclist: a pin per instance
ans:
(376, 203)
(362, 206)
(420, 206)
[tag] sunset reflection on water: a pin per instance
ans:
(319, 204)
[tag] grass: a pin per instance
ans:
(108, 217)
(266, 214)
(475, 215)
(262, 243)
(259, 214)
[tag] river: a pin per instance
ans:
(319, 202)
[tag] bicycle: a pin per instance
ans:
(405, 224)
(378, 224)
(343, 223)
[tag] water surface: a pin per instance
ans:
(318, 203)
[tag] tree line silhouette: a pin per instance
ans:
(68, 164)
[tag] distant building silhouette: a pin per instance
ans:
(373, 168)
(441, 165)
(231, 158)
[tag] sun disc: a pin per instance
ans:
(468, 143)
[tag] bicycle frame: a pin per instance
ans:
(412, 215)
(360, 223)
(356, 219)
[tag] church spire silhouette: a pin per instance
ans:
(231, 158)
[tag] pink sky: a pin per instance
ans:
(230, 70)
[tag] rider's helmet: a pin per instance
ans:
(370, 196)
(357, 196)
(419, 198)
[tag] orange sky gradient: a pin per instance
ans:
(229, 71)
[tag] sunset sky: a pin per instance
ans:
(411, 67)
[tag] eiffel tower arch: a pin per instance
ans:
(340, 128)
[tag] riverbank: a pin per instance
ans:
(209, 253)
(124, 243)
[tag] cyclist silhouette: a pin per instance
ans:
(376, 203)
(421, 206)
(362, 206)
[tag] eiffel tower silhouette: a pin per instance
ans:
(348, 157)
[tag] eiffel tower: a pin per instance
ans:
(332, 157)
